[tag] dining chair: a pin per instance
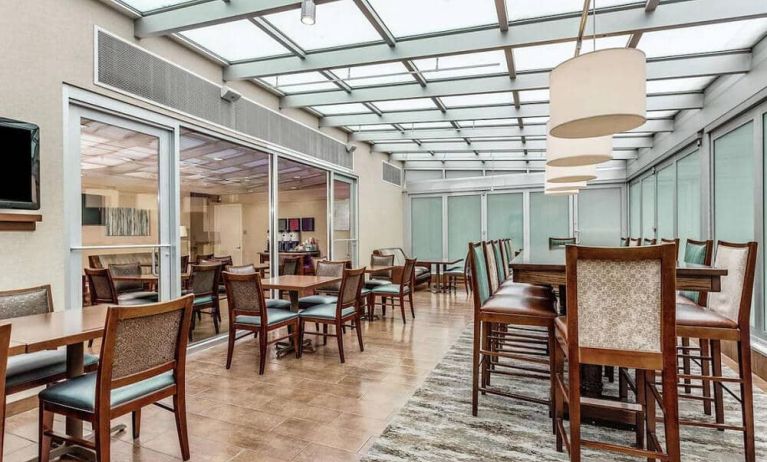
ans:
(380, 279)
(458, 273)
(101, 288)
(5, 343)
(329, 292)
(39, 368)
(635, 241)
(647, 241)
(517, 314)
(674, 241)
(499, 284)
(204, 285)
(394, 294)
(250, 311)
(346, 308)
(127, 269)
(143, 361)
(725, 318)
(620, 312)
(624, 242)
(202, 257)
(561, 241)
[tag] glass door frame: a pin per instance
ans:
(624, 211)
(353, 212)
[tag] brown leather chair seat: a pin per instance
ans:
(697, 316)
(522, 289)
(521, 306)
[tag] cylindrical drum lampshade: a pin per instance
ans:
(563, 152)
(566, 192)
(564, 186)
(599, 93)
(557, 175)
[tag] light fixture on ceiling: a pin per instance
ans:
(559, 175)
(308, 12)
(598, 93)
(562, 152)
(557, 187)
(566, 192)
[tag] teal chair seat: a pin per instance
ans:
(34, 367)
(203, 300)
(365, 292)
(373, 283)
(311, 300)
(275, 316)
(278, 304)
(325, 311)
(389, 289)
(80, 392)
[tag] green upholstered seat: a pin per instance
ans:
(326, 311)
(365, 291)
(275, 316)
(693, 253)
(311, 300)
(33, 367)
(147, 294)
(373, 283)
(203, 300)
(390, 289)
(80, 392)
(278, 304)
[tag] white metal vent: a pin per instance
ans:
(392, 174)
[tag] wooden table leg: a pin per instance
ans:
(75, 368)
(283, 348)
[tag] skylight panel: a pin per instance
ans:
(526, 9)
(302, 82)
(530, 96)
(338, 23)
(487, 123)
(405, 104)
(445, 67)
(374, 74)
(427, 125)
(370, 128)
(678, 85)
(406, 17)
(485, 99)
(551, 55)
(235, 41)
(535, 120)
(703, 39)
(145, 6)
(661, 114)
(338, 109)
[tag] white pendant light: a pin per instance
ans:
(557, 175)
(562, 152)
(308, 12)
(566, 192)
(599, 93)
(554, 187)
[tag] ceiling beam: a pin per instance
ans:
(649, 7)
(651, 126)
(503, 16)
(540, 157)
(376, 22)
(619, 144)
(671, 68)
(197, 15)
(654, 103)
(619, 22)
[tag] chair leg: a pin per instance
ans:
(574, 407)
(230, 347)
(340, 338)
(215, 315)
(552, 377)
(485, 360)
(716, 369)
(324, 334)
(301, 329)
(686, 363)
(402, 307)
(559, 413)
(358, 328)
(136, 423)
(102, 439)
(262, 350)
(179, 410)
(706, 348)
(641, 398)
(650, 416)
(297, 339)
(45, 424)
(475, 367)
(671, 416)
(383, 307)
(410, 300)
(747, 397)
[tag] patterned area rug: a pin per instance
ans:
(436, 424)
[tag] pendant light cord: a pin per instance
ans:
(594, 25)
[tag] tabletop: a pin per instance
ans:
(440, 261)
(297, 282)
(51, 330)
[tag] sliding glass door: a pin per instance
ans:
(549, 217)
(426, 227)
(464, 224)
(505, 218)
(733, 156)
(665, 202)
(600, 216)
(688, 199)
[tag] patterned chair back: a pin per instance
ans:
(330, 269)
(351, 287)
(203, 257)
(624, 301)
(408, 273)
(699, 253)
(126, 269)
(26, 302)
(205, 278)
(382, 260)
(733, 301)
(245, 295)
(561, 241)
(184, 263)
(141, 342)
(492, 266)
(635, 242)
(480, 282)
(243, 269)
(290, 266)
(397, 253)
(101, 286)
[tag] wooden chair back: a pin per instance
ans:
(382, 260)
(492, 265)
(624, 242)
(501, 264)
(203, 257)
(505, 256)
(733, 301)
(141, 342)
(250, 268)
(330, 269)
(699, 252)
(245, 296)
(408, 275)
(635, 242)
(479, 279)
(352, 282)
(674, 241)
(100, 286)
(205, 278)
(5, 343)
(621, 306)
(126, 269)
(647, 241)
(26, 302)
(561, 241)
(184, 263)
(291, 265)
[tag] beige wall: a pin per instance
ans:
(48, 43)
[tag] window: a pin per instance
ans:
(688, 198)
(665, 206)
(426, 227)
(505, 218)
(464, 224)
(549, 217)
(599, 216)
(635, 209)
(734, 185)
(648, 207)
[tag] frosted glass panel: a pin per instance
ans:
(426, 227)
(688, 199)
(734, 185)
(464, 224)
(505, 218)
(648, 207)
(549, 217)
(635, 206)
(599, 216)
(666, 202)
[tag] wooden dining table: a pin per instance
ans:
(546, 266)
(439, 265)
(70, 329)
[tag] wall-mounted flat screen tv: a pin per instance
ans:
(282, 225)
(20, 172)
(93, 209)
(307, 224)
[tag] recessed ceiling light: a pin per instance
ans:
(308, 12)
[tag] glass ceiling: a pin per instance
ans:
(375, 74)
(445, 67)
(338, 109)
(703, 39)
(297, 83)
(478, 100)
(405, 104)
(234, 41)
(145, 6)
(526, 9)
(549, 56)
(426, 16)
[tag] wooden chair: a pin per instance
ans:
(561, 241)
(346, 308)
(380, 279)
(5, 342)
(249, 311)
(620, 312)
(204, 286)
(517, 343)
(102, 289)
(394, 294)
(143, 354)
(674, 241)
(726, 318)
(454, 275)
(499, 272)
(203, 257)
(647, 241)
(624, 242)
(329, 292)
(635, 242)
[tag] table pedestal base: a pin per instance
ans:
(285, 348)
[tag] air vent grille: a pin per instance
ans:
(392, 174)
(128, 68)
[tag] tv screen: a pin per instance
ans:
(20, 175)
(93, 210)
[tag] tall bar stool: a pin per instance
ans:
(620, 313)
(726, 318)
